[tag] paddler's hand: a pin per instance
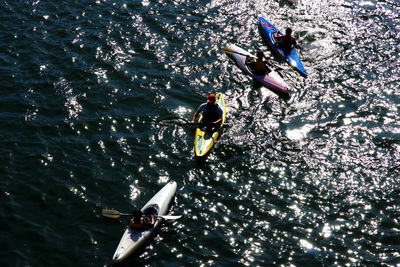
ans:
(247, 60)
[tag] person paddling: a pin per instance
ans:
(258, 65)
(286, 41)
(139, 222)
(212, 114)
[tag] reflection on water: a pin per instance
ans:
(310, 180)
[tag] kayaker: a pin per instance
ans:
(286, 41)
(138, 222)
(258, 65)
(212, 114)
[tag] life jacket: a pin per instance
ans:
(137, 225)
(211, 113)
(259, 67)
(142, 224)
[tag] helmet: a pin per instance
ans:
(211, 98)
(137, 213)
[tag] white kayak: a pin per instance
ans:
(271, 80)
(133, 239)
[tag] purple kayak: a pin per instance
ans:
(271, 80)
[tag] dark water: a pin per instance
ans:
(90, 91)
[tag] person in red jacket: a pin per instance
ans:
(286, 41)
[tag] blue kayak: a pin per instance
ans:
(290, 56)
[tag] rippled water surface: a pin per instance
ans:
(91, 96)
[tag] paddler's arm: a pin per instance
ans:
(149, 220)
(278, 35)
(195, 116)
(296, 45)
(268, 62)
(218, 121)
(248, 60)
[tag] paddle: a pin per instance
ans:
(197, 123)
(180, 123)
(116, 214)
(230, 51)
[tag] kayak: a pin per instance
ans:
(133, 239)
(290, 56)
(271, 80)
(205, 140)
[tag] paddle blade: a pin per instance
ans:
(170, 217)
(231, 51)
(227, 50)
(111, 213)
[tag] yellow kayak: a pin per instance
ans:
(204, 141)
